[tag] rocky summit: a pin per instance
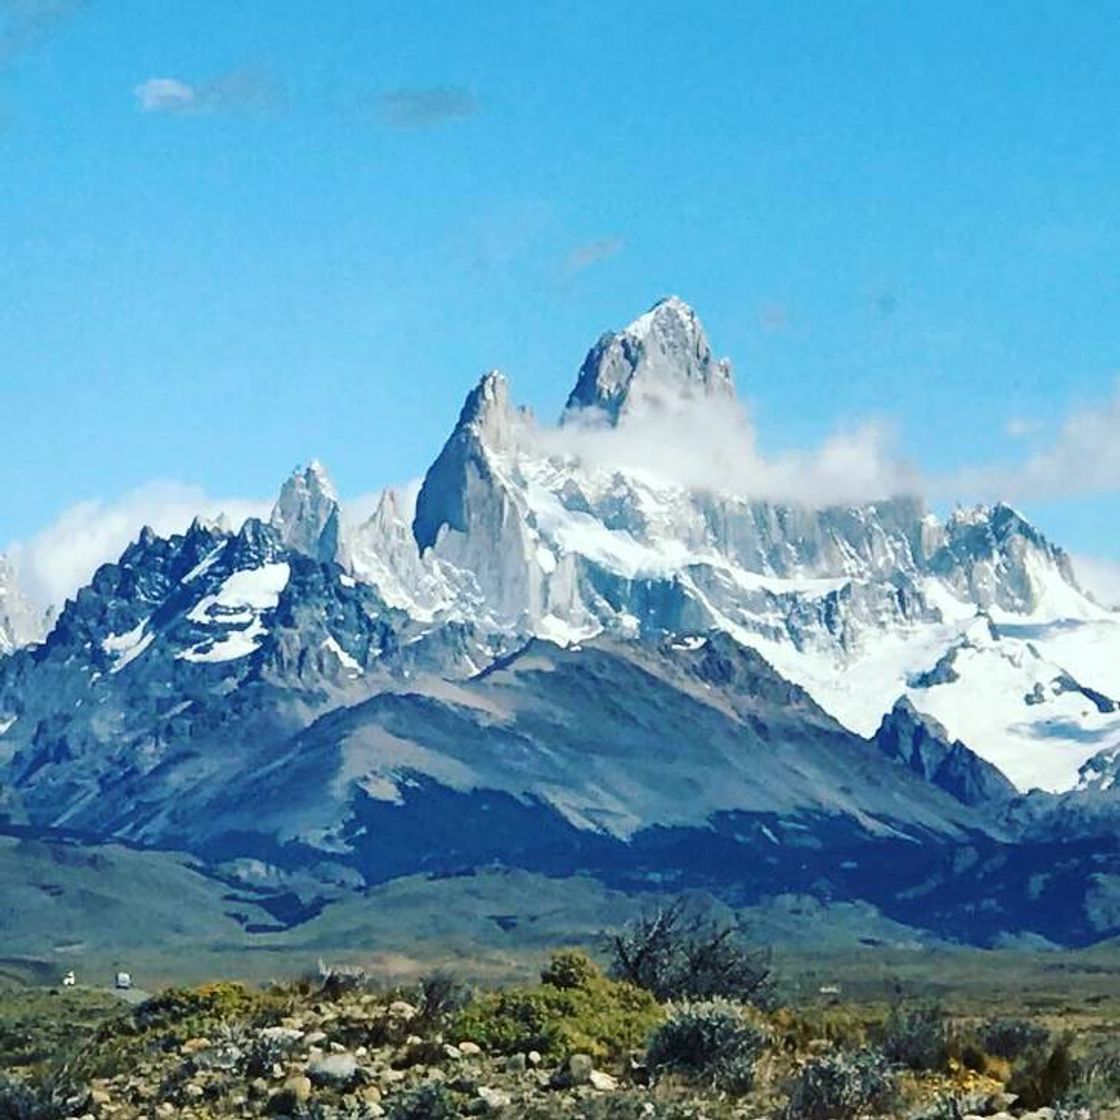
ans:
(598, 647)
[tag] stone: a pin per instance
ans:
(452, 1053)
(579, 1069)
(194, 1046)
(489, 1100)
(469, 1049)
(516, 1063)
(534, 1057)
(299, 1087)
(604, 1082)
(333, 1069)
(284, 1037)
(193, 1090)
(399, 1009)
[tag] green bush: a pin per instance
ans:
(841, 1086)
(207, 1005)
(603, 1018)
(710, 1041)
(430, 1101)
(919, 1040)
(570, 968)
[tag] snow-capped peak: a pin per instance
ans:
(306, 514)
(660, 359)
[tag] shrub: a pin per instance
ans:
(679, 952)
(604, 1018)
(919, 1040)
(625, 1105)
(842, 1085)
(796, 1031)
(187, 1008)
(1097, 1084)
(570, 968)
(710, 1041)
(52, 1099)
(1012, 1038)
(440, 994)
(337, 980)
(430, 1101)
(1044, 1076)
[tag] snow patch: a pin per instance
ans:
(126, 648)
(242, 595)
(344, 659)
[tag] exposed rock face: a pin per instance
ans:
(663, 357)
(546, 657)
(306, 515)
(922, 744)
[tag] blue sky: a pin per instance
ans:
(316, 224)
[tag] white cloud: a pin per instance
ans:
(1083, 459)
(246, 90)
(1100, 577)
(61, 558)
(711, 444)
(165, 95)
(1019, 427)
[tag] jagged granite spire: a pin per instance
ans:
(306, 514)
(661, 357)
(487, 421)
(470, 509)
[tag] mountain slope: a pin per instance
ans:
(581, 649)
(525, 530)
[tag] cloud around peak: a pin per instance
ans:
(60, 558)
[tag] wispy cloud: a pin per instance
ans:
(591, 253)
(24, 24)
(773, 318)
(426, 108)
(245, 90)
(1100, 577)
(711, 443)
(1019, 427)
(1082, 459)
(61, 558)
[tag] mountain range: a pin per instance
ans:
(593, 648)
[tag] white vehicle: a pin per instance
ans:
(69, 980)
(123, 980)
